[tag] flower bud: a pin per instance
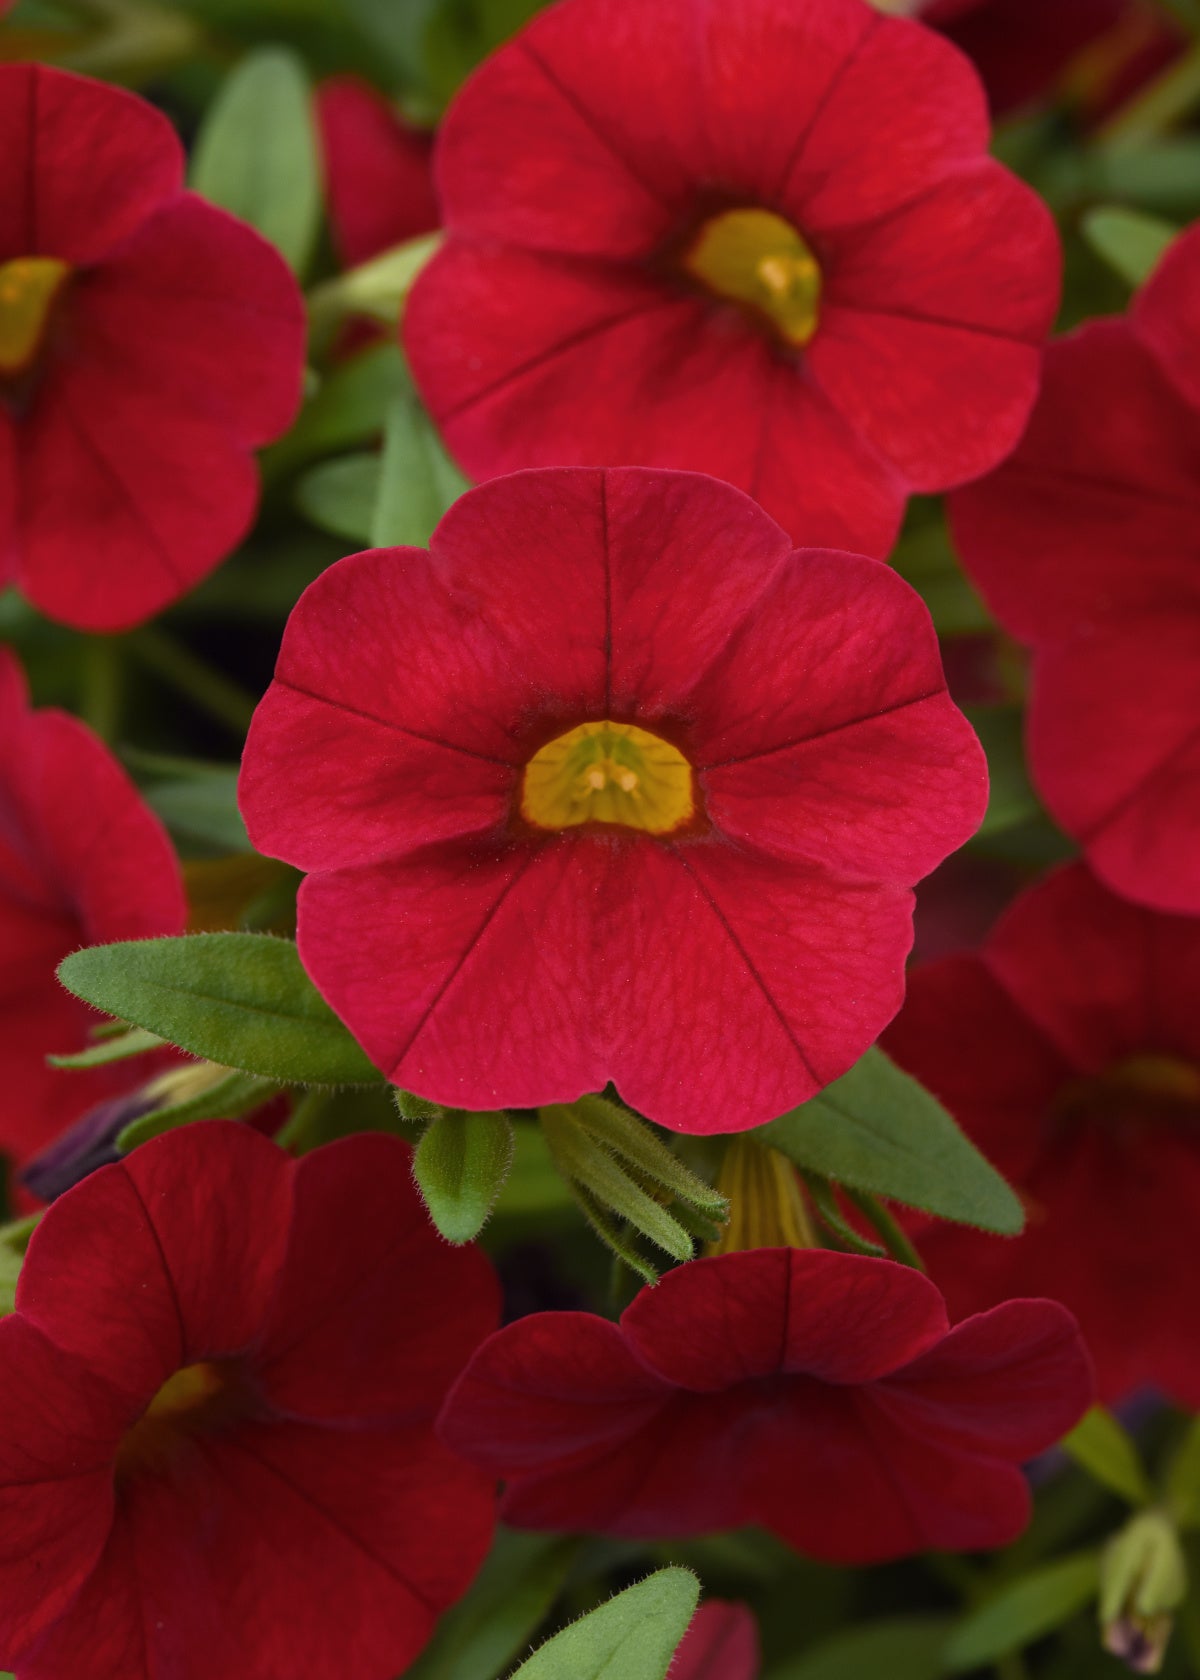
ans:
(1143, 1579)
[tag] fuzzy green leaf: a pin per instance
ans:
(460, 1166)
(227, 1099)
(135, 1042)
(256, 153)
(241, 999)
(632, 1637)
(877, 1129)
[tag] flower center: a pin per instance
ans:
(29, 287)
(755, 257)
(196, 1399)
(608, 773)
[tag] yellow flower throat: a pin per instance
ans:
(608, 773)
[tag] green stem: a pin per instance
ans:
(102, 684)
(893, 1238)
(1168, 99)
(211, 691)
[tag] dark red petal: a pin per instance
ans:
(1114, 747)
(1049, 536)
(1083, 984)
(379, 173)
(547, 1391)
(1166, 315)
(84, 164)
(378, 1325)
(165, 1259)
(59, 1427)
(1007, 1384)
(721, 1644)
(740, 1317)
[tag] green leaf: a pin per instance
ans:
(256, 152)
(339, 496)
(1011, 799)
(460, 1165)
(1104, 1449)
(1128, 240)
(136, 1042)
(511, 1597)
(202, 807)
(226, 1098)
(1024, 1611)
(418, 481)
(877, 1129)
(632, 1637)
(900, 1648)
(349, 409)
(241, 999)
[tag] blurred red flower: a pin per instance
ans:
(1086, 544)
(378, 172)
(1069, 1050)
(721, 1644)
(822, 1396)
(217, 1450)
(148, 342)
(611, 784)
(760, 240)
(83, 861)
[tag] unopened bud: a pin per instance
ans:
(1143, 1579)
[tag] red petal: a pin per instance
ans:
(1166, 315)
(351, 1332)
(740, 1317)
(1114, 747)
(1048, 537)
(379, 174)
(85, 163)
(721, 1644)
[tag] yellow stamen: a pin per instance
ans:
(28, 289)
(767, 1208)
(197, 1399)
(757, 258)
(608, 773)
(186, 1391)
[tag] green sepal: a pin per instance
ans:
(630, 1138)
(409, 1107)
(587, 1163)
(240, 999)
(460, 1166)
(877, 1129)
(135, 1042)
(1105, 1450)
(831, 1216)
(228, 1099)
(632, 1637)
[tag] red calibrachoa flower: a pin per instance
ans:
(217, 1450)
(379, 173)
(721, 1644)
(83, 861)
(611, 784)
(760, 240)
(822, 1396)
(1069, 1049)
(1087, 546)
(148, 342)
